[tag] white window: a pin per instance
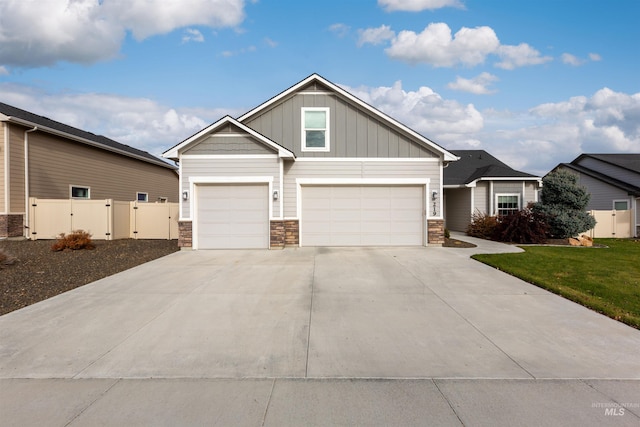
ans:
(80, 192)
(315, 129)
(621, 205)
(507, 204)
(142, 197)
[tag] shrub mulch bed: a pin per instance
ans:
(39, 273)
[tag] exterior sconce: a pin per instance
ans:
(276, 195)
(185, 195)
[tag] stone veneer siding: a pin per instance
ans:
(435, 231)
(276, 234)
(185, 234)
(291, 232)
(11, 225)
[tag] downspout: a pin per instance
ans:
(26, 181)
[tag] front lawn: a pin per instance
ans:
(606, 280)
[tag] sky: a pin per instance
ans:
(533, 82)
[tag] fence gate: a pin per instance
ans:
(154, 220)
(48, 218)
(611, 224)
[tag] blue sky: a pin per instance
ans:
(535, 83)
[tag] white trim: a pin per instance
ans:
(368, 159)
(473, 202)
(227, 156)
(327, 130)
(613, 204)
(228, 135)
(319, 92)
(281, 189)
(79, 186)
(174, 152)
(513, 178)
(146, 193)
(491, 196)
(6, 168)
(300, 182)
(194, 181)
(518, 195)
(448, 156)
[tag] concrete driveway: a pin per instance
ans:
(316, 336)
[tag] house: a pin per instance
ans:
(613, 181)
(43, 158)
(480, 183)
(312, 166)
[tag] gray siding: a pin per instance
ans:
(16, 169)
(481, 197)
(56, 163)
(602, 194)
(623, 175)
(3, 137)
(458, 208)
(217, 144)
(355, 170)
(353, 132)
(230, 168)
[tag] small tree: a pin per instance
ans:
(563, 203)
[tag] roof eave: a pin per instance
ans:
(22, 122)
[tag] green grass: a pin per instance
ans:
(606, 280)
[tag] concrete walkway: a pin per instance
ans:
(317, 336)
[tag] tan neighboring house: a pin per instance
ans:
(42, 158)
(312, 166)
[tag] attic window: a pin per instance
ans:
(315, 129)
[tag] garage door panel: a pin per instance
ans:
(232, 216)
(362, 215)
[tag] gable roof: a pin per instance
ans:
(448, 157)
(479, 164)
(626, 161)
(173, 152)
(16, 115)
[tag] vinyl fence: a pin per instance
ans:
(612, 224)
(103, 219)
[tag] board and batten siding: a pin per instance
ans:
(229, 167)
(56, 163)
(458, 208)
(353, 132)
(229, 144)
(355, 170)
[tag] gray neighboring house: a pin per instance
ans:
(480, 183)
(312, 166)
(46, 159)
(612, 179)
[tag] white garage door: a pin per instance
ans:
(362, 216)
(232, 216)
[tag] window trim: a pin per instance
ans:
(327, 130)
(613, 204)
(71, 187)
(497, 197)
(146, 198)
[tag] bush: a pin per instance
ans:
(483, 226)
(447, 234)
(563, 203)
(523, 226)
(78, 239)
(6, 259)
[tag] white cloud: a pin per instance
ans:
(417, 5)
(435, 46)
(40, 33)
(375, 36)
(520, 56)
(570, 59)
(270, 43)
(139, 122)
(339, 29)
(192, 35)
(4, 71)
(595, 57)
(478, 85)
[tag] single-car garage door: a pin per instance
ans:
(362, 216)
(232, 216)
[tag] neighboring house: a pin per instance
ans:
(613, 181)
(480, 183)
(42, 158)
(312, 166)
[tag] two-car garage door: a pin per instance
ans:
(364, 215)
